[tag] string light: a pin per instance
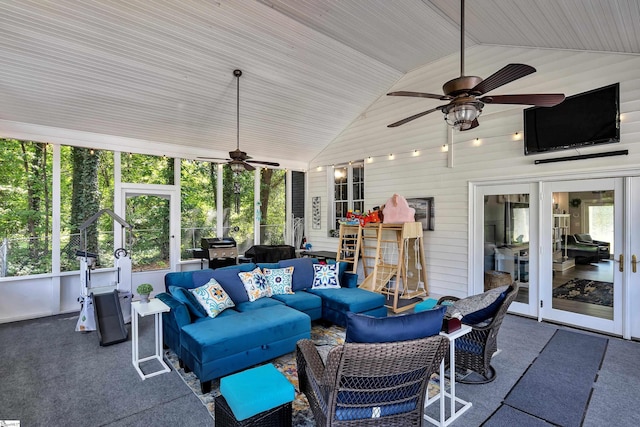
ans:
(416, 153)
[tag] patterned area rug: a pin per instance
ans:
(324, 337)
(584, 290)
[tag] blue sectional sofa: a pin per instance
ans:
(253, 332)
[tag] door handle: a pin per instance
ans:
(634, 263)
(621, 263)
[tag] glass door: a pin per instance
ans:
(581, 279)
(505, 218)
(150, 214)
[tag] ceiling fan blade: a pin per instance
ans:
(506, 74)
(474, 124)
(420, 95)
(263, 162)
(541, 99)
(415, 116)
(248, 167)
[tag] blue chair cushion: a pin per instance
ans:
(427, 304)
(302, 272)
(366, 329)
(256, 390)
(187, 298)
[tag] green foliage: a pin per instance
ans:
(144, 289)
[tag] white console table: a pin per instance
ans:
(154, 307)
(451, 394)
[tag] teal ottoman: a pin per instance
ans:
(259, 396)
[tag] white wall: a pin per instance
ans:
(496, 156)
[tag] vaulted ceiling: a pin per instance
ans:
(162, 72)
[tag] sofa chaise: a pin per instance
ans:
(253, 332)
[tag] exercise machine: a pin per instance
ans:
(105, 302)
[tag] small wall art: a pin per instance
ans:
(425, 211)
(315, 213)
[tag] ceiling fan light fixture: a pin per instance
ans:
(236, 167)
(461, 116)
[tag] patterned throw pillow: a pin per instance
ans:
(213, 298)
(325, 276)
(255, 284)
(279, 280)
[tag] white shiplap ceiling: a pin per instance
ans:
(161, 71)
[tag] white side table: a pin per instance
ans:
(451, 394)
(155, 307)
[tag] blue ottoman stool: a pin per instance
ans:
(259, 396)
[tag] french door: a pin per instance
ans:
(505, 219)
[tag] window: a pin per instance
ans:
(147, 169)
(273, 204)
(25, 207)
(348, 191)
(199, 188)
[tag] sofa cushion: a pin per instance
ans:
(231, 283)
(238, 267)
(183, 279)
(301, 300)
(257, 304)
(255, 284)
(230, 335)
(302, 272)
(279, 280)
(325, 276)
(366, 329)
(187, 298)
(212, 297)
(349, 299)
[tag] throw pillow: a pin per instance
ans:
(255, 284)
(231, 283)
(279, 280)
(480, 307)
(302, 272)
(187, 298)
(213, 298)
(367, 329)
(325, 276)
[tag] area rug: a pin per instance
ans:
(584, 290)
(324, 338)
(557, 388)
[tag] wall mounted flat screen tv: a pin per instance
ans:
(584, 119)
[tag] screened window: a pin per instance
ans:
(146, 169)
(199, 188)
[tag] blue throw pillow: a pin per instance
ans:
(231, 284)
(487, 312)
(367, 329)
(187, 298)
(302, 272)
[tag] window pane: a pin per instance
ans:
(25, 207)
(149, 215)
(86, 186)
(272, 206)
(238, 207)
(146, 169)
(199, 187)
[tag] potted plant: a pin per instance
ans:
(144, 290)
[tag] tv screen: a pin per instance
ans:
(587, 118)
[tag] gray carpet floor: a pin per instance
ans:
(51, 375)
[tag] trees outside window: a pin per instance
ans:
(25, 207)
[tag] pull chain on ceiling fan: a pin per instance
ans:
(239, 160)
(465, 107)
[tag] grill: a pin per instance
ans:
(220, 252)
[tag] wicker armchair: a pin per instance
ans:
(369, 384)
(475, 349)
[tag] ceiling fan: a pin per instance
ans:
(465, 93)
(239, 160)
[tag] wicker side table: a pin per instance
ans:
(279, 416)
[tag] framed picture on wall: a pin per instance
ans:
(315, 213)
(425, 211)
